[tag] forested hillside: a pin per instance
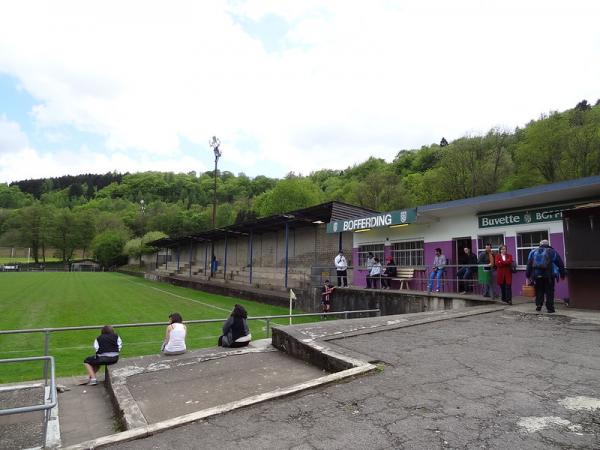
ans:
(107, 213)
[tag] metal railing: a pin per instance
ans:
(49, 403)
(451, 283)
(47, 331)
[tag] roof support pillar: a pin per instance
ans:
(225, 260)
(190, 259)
(206, 260)
(178, 255)
(287, 232)
(250, 251)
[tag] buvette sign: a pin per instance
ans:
(404, 216)
(523, 217)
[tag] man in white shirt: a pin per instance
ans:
(341, 267)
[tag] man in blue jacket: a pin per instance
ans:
(544, 266)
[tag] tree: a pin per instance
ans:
(541, 148)
(108, 248)
(287, 195)
(31, 223)
(12, 197)
(138, 247)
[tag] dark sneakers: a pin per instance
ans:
(539, 308)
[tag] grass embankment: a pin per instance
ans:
(48, 300)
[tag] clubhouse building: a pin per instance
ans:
(297, 249)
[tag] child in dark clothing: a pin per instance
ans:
(107, 345)
(326, 293)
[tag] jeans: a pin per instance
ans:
(463, 276)
(436, 273)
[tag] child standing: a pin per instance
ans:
(327, 290)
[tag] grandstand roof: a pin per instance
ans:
(313, 215)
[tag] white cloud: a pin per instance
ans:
(12, 137)
(353, 79)
(29, 163)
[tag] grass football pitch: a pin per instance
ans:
(63, 299)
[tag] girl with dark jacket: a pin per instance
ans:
(235, 329)
(107, 345)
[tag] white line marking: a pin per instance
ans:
(187, 298)
(208, 305)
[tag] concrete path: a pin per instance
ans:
(510, 379)
(84, 412)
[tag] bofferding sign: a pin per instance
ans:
(549, 214)
(400, 217)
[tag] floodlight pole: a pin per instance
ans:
(214, 143)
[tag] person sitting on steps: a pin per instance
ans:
(107, 345)
(235, 329)
(174, 343)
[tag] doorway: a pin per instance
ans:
(458, 255)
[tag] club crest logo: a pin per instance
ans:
(335, 227)
(402, 216)
(527, 218)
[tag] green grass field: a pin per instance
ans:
(45, 300)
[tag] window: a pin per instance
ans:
(495, 239)
(363, 252)
(408, 253)
(527, 242)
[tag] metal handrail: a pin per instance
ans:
(155, 324)
(46, 407)
(267, 319)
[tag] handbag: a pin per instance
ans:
(513, 267)
(528, 290)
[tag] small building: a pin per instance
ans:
(520, 219)
(85, 265)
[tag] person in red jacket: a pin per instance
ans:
(504, 265)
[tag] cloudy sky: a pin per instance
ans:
(97, 86)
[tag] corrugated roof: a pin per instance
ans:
(323, 213)
(555, 193)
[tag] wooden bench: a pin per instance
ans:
(404, 275)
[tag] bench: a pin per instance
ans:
(404, 275)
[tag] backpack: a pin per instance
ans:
(542, 259)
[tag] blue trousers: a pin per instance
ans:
(435, 274)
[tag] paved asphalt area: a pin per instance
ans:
(506, 380)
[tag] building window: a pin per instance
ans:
(363, 252)
(527, 242)
(495, 239)
(408, 253)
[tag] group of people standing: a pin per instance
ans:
(544, 268)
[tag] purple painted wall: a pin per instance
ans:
(359, 276)
(556, 239)
(446, 246)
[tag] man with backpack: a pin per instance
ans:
(544, 266)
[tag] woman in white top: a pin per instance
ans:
(174, 343)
